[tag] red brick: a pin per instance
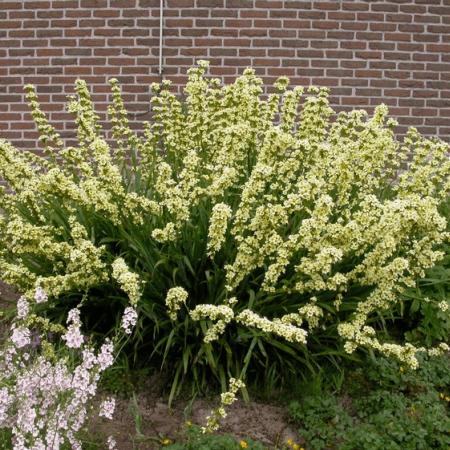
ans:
(425, 57)
(12, 24)
(237, 62)
(309, 53)
(298, 4)
(377, 45)
(397, 56)
(282, 33)
(413, 47)
(94, 3)
(397, 74)
(370, 16)
(21, 34)
(382, 26)
(384, 7)
(355, 6)
(426, 37)
(224, 32)
(192, 32)
(122, 3)
(326, 25)
(369, 36)
(153, 3)
(49, 33)
(341, 35)
(180, 42)
(429, 19)
(12, 5)
(253, 32)
(281, 52)
(210, 3)
(288, 23)
(439, 48)
(254, 13)
(225, 52)
(22, 14)
(369, 55)
(341, 15)
(108, 13)
(77, 32)
(294, 43)
(36, 5)
(194, 12)
(239, 3)
(65, 4)
(35, 23)
(238, 23)
(77, 13)
(224, 13)
(121, 23)
(354, 25)
(403, 18)
(78, 51)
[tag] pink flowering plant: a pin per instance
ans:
(48, 386)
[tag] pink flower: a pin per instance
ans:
(107, 408)
(22, 308)
(74, 316)
(105, 357)
(40, 295)
(20, 336)
(73, 337)
(129, 319)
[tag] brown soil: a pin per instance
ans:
(263, 422)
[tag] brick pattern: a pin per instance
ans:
(367, 52)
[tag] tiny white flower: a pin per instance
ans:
(111, 443)
(107, 408)
(21, 337)
(40, 295)
(22, 308)
(129, 319)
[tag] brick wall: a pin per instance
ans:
(367, 52)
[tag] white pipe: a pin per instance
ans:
(161, 9)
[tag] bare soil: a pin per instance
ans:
(263, 422)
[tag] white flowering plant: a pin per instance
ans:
(49, 378)
(251, 233)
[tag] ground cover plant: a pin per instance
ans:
(381, 407)
(250, 238)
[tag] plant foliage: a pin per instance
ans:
(254, 235)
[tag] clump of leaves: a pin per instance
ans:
(382, 407)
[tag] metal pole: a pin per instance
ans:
(161, 9)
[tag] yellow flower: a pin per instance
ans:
(188, 423)
(166, 441)
(243, 444)
(290, 442)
